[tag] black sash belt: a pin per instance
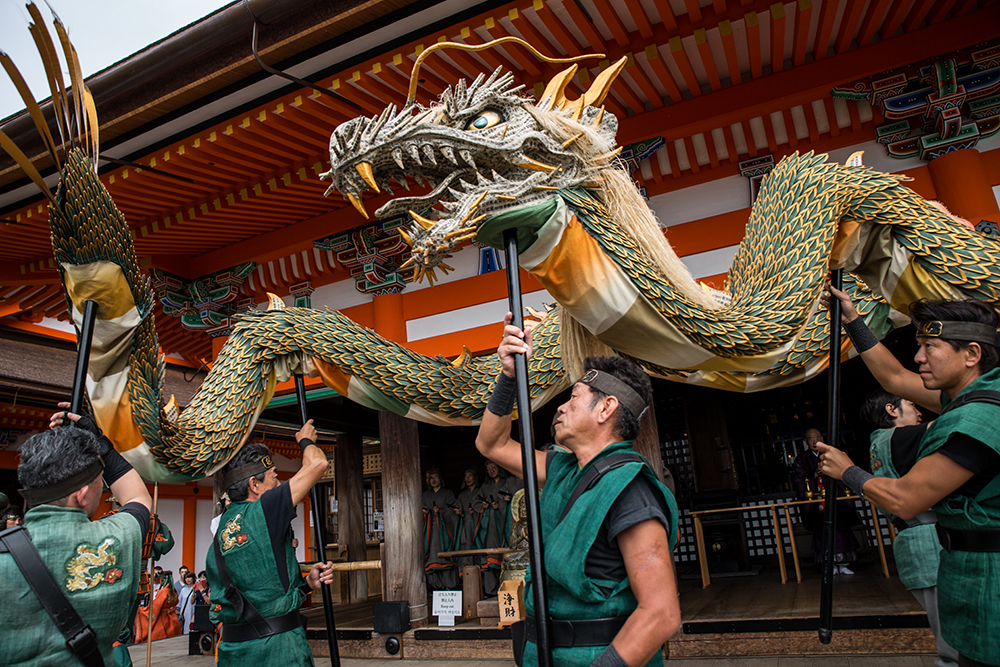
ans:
(244, 632)
(986, 540)
(566, 634)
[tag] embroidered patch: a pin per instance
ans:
(92, 565)
(231, 535)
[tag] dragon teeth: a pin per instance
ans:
(466, 185)
(414, 154)
(397, 155)
(467, 156)
(429, 152)
(449, 153)
(482, 180)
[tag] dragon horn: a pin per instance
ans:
(598, 90)
(274, 302)
(554, 95)
(414, 80)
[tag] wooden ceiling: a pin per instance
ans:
(722, 81)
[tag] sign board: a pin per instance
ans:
(511, 598)
(447, 605)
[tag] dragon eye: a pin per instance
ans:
(485, 120)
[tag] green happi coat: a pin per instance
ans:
(969, 582)
(96, 563)
(246, 547)
(571, 594)
(917, 547)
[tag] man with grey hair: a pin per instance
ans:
(92, 568)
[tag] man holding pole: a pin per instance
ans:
(255, 579)
(958, 462)
(611, 589)
(69, 589)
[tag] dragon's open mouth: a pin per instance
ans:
(480, 150)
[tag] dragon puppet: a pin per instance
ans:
(494, 160)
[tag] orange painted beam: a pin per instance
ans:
(713, 155)
(9, 460)
(748, 138)
(527, 61)
(824, 32)
(809, 82)
(831, 117)
(666, 79)
(719, 6)
(613, 23)
(963, 7)
(558, 29)
(849, 25)
(654, 165)
(479, 340)
(811, 123)
(897, 12)
(917, 14)
(729, 48)
(692, 155)
(803, 17)
(710, 233)
(753, 43)
(534, 36)
(777, 14)
(734, 154)
(590, 33)
(681, 60)
(625, 91)
(873, 19)
(693, 10)
(939, 11)
(638, 15)
(852, 109)
(667, 18)
(707, 61)
(645, 85)
(793, 139)
(772, 142)
(675, 167)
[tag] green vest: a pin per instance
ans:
(97, 565)
(246, 548)
(916, 548)
(571, 594)
(969, 582)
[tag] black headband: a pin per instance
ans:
(73, 483)
(611, 385)
(247, 470)
(976, 332)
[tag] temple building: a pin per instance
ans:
(213, 140)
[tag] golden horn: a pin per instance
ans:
(365, 169)
(554, 94)
(412, 260)
(535, 165)
(421, 220)
(406, 237)
(479, 47)
(274, 302)
(358, 204)
(569, 142)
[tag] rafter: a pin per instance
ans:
(777, 14)
(824, 32)
(753, 44)
(890, 26)
(872, 20)
(800, 42)
(613, 22)
(707, 61)
(638, 15)
(729, 48)
(681, 60)
(663, 75)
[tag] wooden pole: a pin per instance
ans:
(149, 569)
(351, 508)
(829, 484)
(404, 549)
(543, 627)
(83, 356)
(319, 530)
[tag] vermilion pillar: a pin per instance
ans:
(962, 185)
(388, 315)
(188, 555)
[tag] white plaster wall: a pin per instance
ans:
(203, 533)
(171, 512)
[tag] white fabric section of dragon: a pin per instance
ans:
(495, 159)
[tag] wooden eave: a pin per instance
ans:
(705, 76)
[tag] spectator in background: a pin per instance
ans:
(807, 479)
(186, 601)
(11, 517)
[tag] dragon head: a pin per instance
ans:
(482, 148)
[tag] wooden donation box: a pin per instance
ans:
(511, 598)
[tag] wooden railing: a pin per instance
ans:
(779, 547)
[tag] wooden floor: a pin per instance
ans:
(865, 593)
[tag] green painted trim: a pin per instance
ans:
(311, 395)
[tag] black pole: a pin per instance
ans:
(829, 484)
(543, 626)
(319, 530)
(83, 356)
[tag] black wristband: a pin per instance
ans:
(860, 335)
(855, 478)
(305, 442)
(504, 396)
(610, 658)
(115, 464)
(88, 424)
